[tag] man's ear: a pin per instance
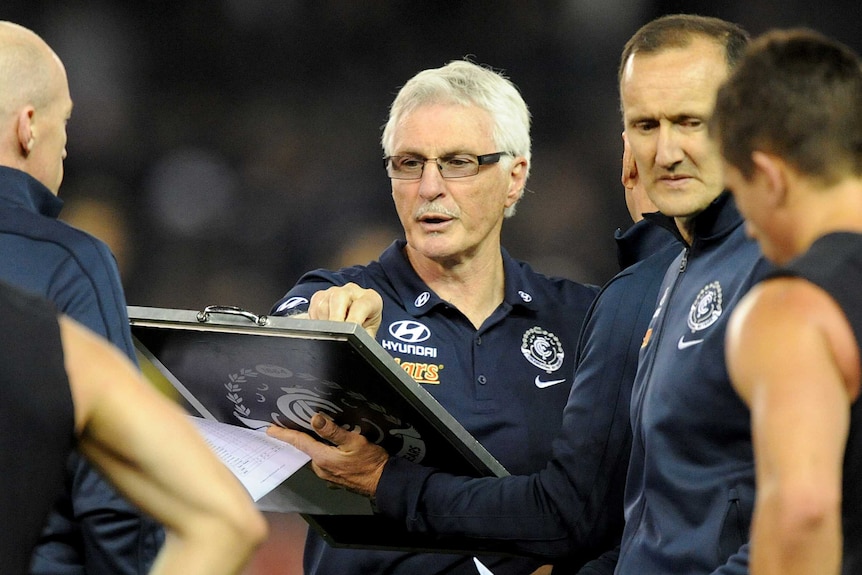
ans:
(773, 169)
(518, 174)
(26, 130)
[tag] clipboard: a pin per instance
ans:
(232, 366)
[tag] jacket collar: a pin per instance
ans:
(718, 220)
(22, 190)
(639, 242)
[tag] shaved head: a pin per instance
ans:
(34, 106)
(27, 69)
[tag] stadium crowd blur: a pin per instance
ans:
(224, 147)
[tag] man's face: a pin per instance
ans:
(450, 220)
(45, 162)
(668, 97)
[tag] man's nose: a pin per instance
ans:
(669, 149)
(431, 184)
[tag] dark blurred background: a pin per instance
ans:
(224, 147)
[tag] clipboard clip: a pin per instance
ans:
(204, 315)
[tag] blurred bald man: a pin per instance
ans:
(91, 529)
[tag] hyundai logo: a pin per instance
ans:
(291, 303)
(409, 331)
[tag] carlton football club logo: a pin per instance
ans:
(706, 308)
(543, 349)
(268, 394)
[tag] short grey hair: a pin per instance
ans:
(468, 84)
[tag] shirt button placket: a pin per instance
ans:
(482, 391)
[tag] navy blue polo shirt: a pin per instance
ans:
(506, 382)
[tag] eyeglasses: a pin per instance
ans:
(452, 166)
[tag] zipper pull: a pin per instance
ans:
(684, 261)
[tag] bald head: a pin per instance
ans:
(34, 106)
(27, 68)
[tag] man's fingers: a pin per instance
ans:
(300, 440)
(353, 462)
(319, 306)
(348, 303)
(340, 300)
(326, 428)
(323, 426)
(367, 311)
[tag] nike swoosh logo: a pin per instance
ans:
(543, 384)
(682, 344)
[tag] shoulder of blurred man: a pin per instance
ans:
(79, 275)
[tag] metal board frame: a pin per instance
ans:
(232, 366)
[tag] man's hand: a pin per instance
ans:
(348, 303)
(629, 175)
(637, 200)
(353, 462)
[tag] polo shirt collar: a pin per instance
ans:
(418, 299)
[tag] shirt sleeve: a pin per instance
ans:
(86, 286)
(297, 299)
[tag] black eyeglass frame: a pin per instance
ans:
(483, 160)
